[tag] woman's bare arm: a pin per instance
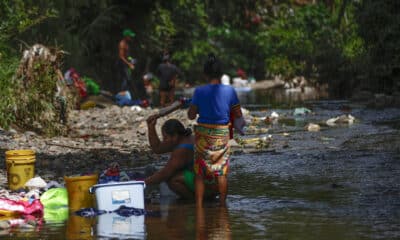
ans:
(155, 144)
(176, 163)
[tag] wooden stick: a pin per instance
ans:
(169, 109)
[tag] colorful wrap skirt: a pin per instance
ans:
(211, 155)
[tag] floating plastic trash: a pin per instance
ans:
(343, 119)
(301, 111)
(312, 127)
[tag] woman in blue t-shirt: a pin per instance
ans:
(215, 104)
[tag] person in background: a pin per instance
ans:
(72, 77)
(215, 104)
(125, 64)
(241, 80)
(177, 140)
(168, 74)
(147, 83)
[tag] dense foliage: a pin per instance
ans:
(345, 43)
(380, 29)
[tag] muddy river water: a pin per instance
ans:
(341, 182)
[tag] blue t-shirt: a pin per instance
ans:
(214, 103)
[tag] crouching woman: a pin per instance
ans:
(178, 171)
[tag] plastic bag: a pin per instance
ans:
(36, 182)
(55, 198)
(301, 111)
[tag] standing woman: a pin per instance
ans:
(214, 103)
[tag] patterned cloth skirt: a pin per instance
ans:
(212, 152)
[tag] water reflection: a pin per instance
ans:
(278, 97)
(177, 220)
(112, 225)
(212, 223)
(80, 227)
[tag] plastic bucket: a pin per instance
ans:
(20, 167)
(78, 191)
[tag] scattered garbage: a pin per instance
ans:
(257, 142)
(342, 119)
(252, 129)
(274, 115)
(301, 111)
(35, 183)
(312, 127)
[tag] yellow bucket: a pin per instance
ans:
(78, 191)
(20, 167)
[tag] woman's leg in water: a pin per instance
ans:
(223, 189)
(199, 190)
(177, 184)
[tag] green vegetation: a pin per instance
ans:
(16, 17)
(349, 44)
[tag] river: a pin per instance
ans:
(342, 182)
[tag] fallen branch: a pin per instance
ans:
(83, 148)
